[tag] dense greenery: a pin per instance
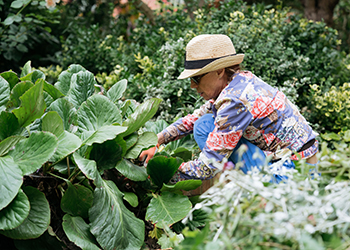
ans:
(72, 136)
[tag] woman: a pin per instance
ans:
(240, 109)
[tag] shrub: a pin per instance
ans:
(284, 49)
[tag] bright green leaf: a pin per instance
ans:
(53, 123)
(4, 93)
(142, 114)
(32, 105)
(145, 141)
(27, 69)
(131, 198)
(67, 144)
(64, 79)
(168, 208)
(17, 92)
(66, 111)
(81, 88)
(7, 144)
(31, 153)
(117, 90)
(185, 185)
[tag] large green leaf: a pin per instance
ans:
(66, 111)
(52, 122)
(132, 171)
(32, 105)
(168, 208)
(8, 125)
(183, 153)
(117, 90)
(77, 200)
(103, 134)
(34, 76)
(161, 169)
(15, 213)
(113, 225)
(145, 141)
(78, 232)
(142, 114)
(89, 168)
(31, 153)
(27, 68)
(96, 112)
(10, 181)
(107, 154)
(52, 91)
(17, 92)
(131, 140)
(186, 185)
(64, 79)
(38, 219)
(67, 144)
(81, 88)
(11, 77)
(9, 143)
(4, 93)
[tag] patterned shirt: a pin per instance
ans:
(246, 107)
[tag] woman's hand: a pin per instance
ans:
(149, 153)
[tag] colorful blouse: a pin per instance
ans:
(246, 107)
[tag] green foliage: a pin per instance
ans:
(77, 134)
(287, 51)
(27, 32)
(333, 104)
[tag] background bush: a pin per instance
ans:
(285, 50)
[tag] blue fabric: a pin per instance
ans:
(253, 157)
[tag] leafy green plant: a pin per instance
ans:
(87, 140)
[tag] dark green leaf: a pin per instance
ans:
(113, 225)
(38, 219)
(10, 181)
(78, 232)
(161, 169)
(132, 171)
(8, 125)
(15, 213)
(11, 77)
(77, 200)
(107, 155)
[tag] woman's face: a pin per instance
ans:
(211, 84)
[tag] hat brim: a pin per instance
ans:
(217, 64)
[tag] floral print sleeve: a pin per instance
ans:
(184, 125)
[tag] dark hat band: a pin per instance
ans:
(198, 64)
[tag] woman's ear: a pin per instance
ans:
(220, 73)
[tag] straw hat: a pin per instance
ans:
(205, 53)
